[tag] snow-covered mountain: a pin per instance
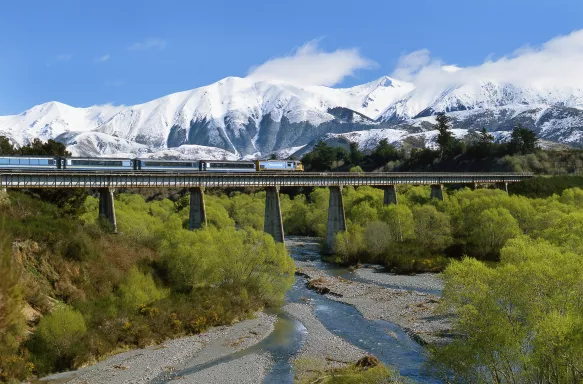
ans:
(240, 117)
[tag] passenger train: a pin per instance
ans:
(115, 164)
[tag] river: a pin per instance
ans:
(382, 339)
(339, 325)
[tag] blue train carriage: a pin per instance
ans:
(28, 162)
(279, 165)
(165, 165)
(100, 163)
(226, 166)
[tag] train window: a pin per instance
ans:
(98, 163)
(15, 161)
(232, 165)
(168, 164)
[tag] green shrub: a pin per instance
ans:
(139, 289)
(80, 248)
(58, 339)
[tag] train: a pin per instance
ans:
(160, 165)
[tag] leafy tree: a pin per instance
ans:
(445, 139)
(493, 228)
(356, 156)
(376, 239)
(432, 228)
(523, 140)
(50, 148)
(400, 221)
(6, 148)
(517, 323)
(139, 289)
(384, 152)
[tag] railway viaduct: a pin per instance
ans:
(106, 182)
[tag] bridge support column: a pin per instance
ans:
(336, 218)
(437, 191)
(107, 208)
(273, 223)
(390, 195)
(473, 186)
(197, 216)
(502, 186)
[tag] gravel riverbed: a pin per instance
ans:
(428, 282)
(152, 363)
(413, 311)
(321, 343)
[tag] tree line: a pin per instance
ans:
(477, 151)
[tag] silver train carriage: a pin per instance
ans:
(165, 165)
(99, 163)
(21, 162)
(226, 166)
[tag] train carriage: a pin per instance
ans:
(166, 165)
(28, 162)
(101, 163)
(226, 166)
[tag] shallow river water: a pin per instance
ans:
(379, 338)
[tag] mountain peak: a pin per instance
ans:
(250, 117)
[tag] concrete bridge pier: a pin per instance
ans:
(502, 186)
(107, 207)
(390, 195)
(197, 216)
(273, 223)
(336, 217)
(437, 191)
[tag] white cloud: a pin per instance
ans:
(153, 43)
(102, 59)
(557, 63)
(309, 65)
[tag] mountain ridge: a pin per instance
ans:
(251, 119)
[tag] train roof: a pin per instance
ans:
(99, 158)
(229, 161)
(32, 156)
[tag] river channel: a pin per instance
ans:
(379, 338)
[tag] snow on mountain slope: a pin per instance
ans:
(250, 119)
(370, 99)
(422, 102)
(47, 121)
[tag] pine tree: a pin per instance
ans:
(448, 144)
(523, 140)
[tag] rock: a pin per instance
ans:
(368, 362)
(319, 285)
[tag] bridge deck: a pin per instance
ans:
(141, 179)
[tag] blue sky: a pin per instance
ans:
(127, 52)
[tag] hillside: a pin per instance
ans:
(239, 117)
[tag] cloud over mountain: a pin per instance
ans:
(556, 63)
(310, 65)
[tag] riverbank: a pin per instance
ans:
(320, 343)
(157, 362)
(413, 311)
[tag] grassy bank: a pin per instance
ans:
(77, 293)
